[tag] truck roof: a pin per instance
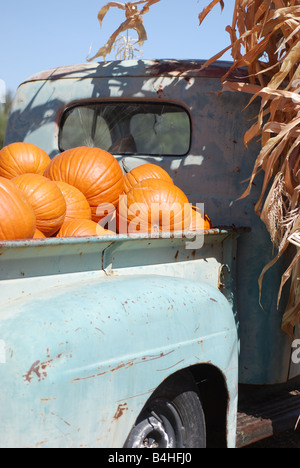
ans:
(160, 67)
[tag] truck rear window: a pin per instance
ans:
(127, 128)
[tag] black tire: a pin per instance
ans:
(172, 417)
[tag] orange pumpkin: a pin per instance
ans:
(82, 228)
(143, 172)
(46, 199)
(199, 221)
(17, 218)
(39, 235)
(93, 171)
(77, 205)
(154, 205)
(22, 158)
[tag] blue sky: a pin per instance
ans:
(36, 35)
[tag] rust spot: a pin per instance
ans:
(38, 368)
(123, 365)
(189, 68)
(63, 420)
(34, 369)
(120, 410)
(159, 90)
(88, 377)
(39, 444)
(211, 299)
(176, 255)
(127, 365)
(170, 367)
(201, 343)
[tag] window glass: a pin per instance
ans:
(127, 128)
(81, 128)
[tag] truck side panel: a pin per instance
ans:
(82, 359)
(213, 172)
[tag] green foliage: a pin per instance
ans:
(3, 121)
(4, 111)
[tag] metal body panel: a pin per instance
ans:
(212, 173)
(89, 326)
(85, 350)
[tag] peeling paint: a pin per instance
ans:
(122, 407)
(38, 368)
(124, 366)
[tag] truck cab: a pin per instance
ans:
(134, 341)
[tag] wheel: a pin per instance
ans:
(172, 417)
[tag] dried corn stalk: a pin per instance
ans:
(134, 20)
(124, 48)
(265, 38)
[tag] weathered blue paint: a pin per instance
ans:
(85, 349)
(82, 287)
(84, 358)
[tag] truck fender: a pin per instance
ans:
(82, 360)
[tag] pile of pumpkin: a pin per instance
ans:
(80, 190)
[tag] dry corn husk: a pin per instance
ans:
(265, 38)
(134, 20)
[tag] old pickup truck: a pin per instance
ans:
(145, 341)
